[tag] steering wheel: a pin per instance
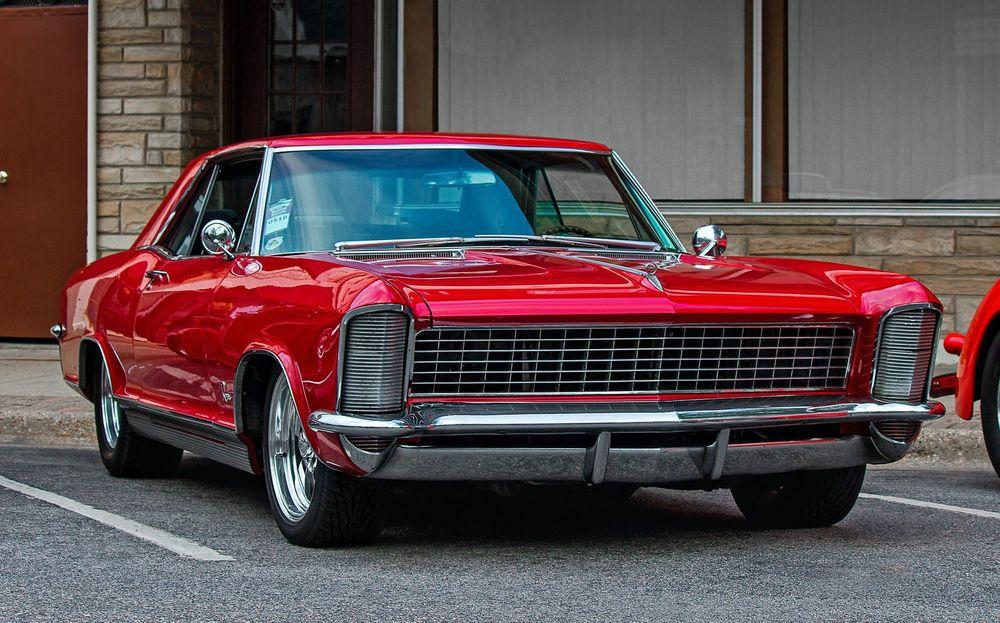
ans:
(567, 229)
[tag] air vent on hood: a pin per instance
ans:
(401, 254)
(637, 256)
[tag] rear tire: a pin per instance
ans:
(990, 392)
(313, 505)
(810, 499)
(126, 454)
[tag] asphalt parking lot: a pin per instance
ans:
(466, 554)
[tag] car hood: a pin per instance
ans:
(532, 285)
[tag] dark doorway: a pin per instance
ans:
(297, 66)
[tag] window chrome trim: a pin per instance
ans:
(342, 347)
(878, 345)
(731, 394)
(653, 208)
(265, 189)
(456, 146)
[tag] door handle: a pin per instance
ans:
(3, 177)
(157, 277)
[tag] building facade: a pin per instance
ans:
(856, 131)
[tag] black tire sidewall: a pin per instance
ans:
(806, 499)
(988, 403)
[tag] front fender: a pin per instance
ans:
(983, 328)
(328, 447)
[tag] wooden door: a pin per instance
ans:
(43, 151)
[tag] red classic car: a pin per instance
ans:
(978, 375)
(340, 311)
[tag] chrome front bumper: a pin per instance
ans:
(604, 461)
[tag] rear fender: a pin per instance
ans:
(112, 362)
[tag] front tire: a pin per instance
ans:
(125, 453)
(990, 403)
(313, 505)
(809, 499)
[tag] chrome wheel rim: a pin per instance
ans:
(111, 418)
(292, 459)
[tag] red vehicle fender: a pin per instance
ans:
(983, 328)
(111, 360)
(328, 446)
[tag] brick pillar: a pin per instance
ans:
(158, 107)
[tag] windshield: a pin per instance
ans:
(317, 198)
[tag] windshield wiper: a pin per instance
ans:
(394, 243)
(565, 241)
(643, 245)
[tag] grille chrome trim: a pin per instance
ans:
(473, 361)
(359, 398)
(904, 353)
(475, 418)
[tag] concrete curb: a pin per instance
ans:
(951, 445)
(70, 420)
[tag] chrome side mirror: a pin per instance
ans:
(709, 241)
(219, 238)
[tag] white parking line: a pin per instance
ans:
(178, 545)
(935, 505)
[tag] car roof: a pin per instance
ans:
(378, 139)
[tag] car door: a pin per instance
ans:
(171, 319)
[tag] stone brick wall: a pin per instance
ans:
(957, 258)
(158, 105)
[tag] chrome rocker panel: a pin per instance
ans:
(604, 463)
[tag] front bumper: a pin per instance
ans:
(605, 461)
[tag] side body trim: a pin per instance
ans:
(202, 438)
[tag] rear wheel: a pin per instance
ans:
(313, 505)
(124, 453)
(810, 499)
(990, 404)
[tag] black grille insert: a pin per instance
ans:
(648, 359)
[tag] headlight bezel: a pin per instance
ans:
(886, 395)
(347, 402)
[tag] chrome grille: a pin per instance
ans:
(374, 363)
(646, 359)
(903, 432)
(905, 352)
(370, 444)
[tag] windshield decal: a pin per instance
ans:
(278, 214)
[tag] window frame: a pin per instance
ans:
(621, 177)
(210, 167)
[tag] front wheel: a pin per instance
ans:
(313, 505)
(990, 405)
(811, 499)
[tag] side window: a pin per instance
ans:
(179, 239)
(223, 193)
(231, 195)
